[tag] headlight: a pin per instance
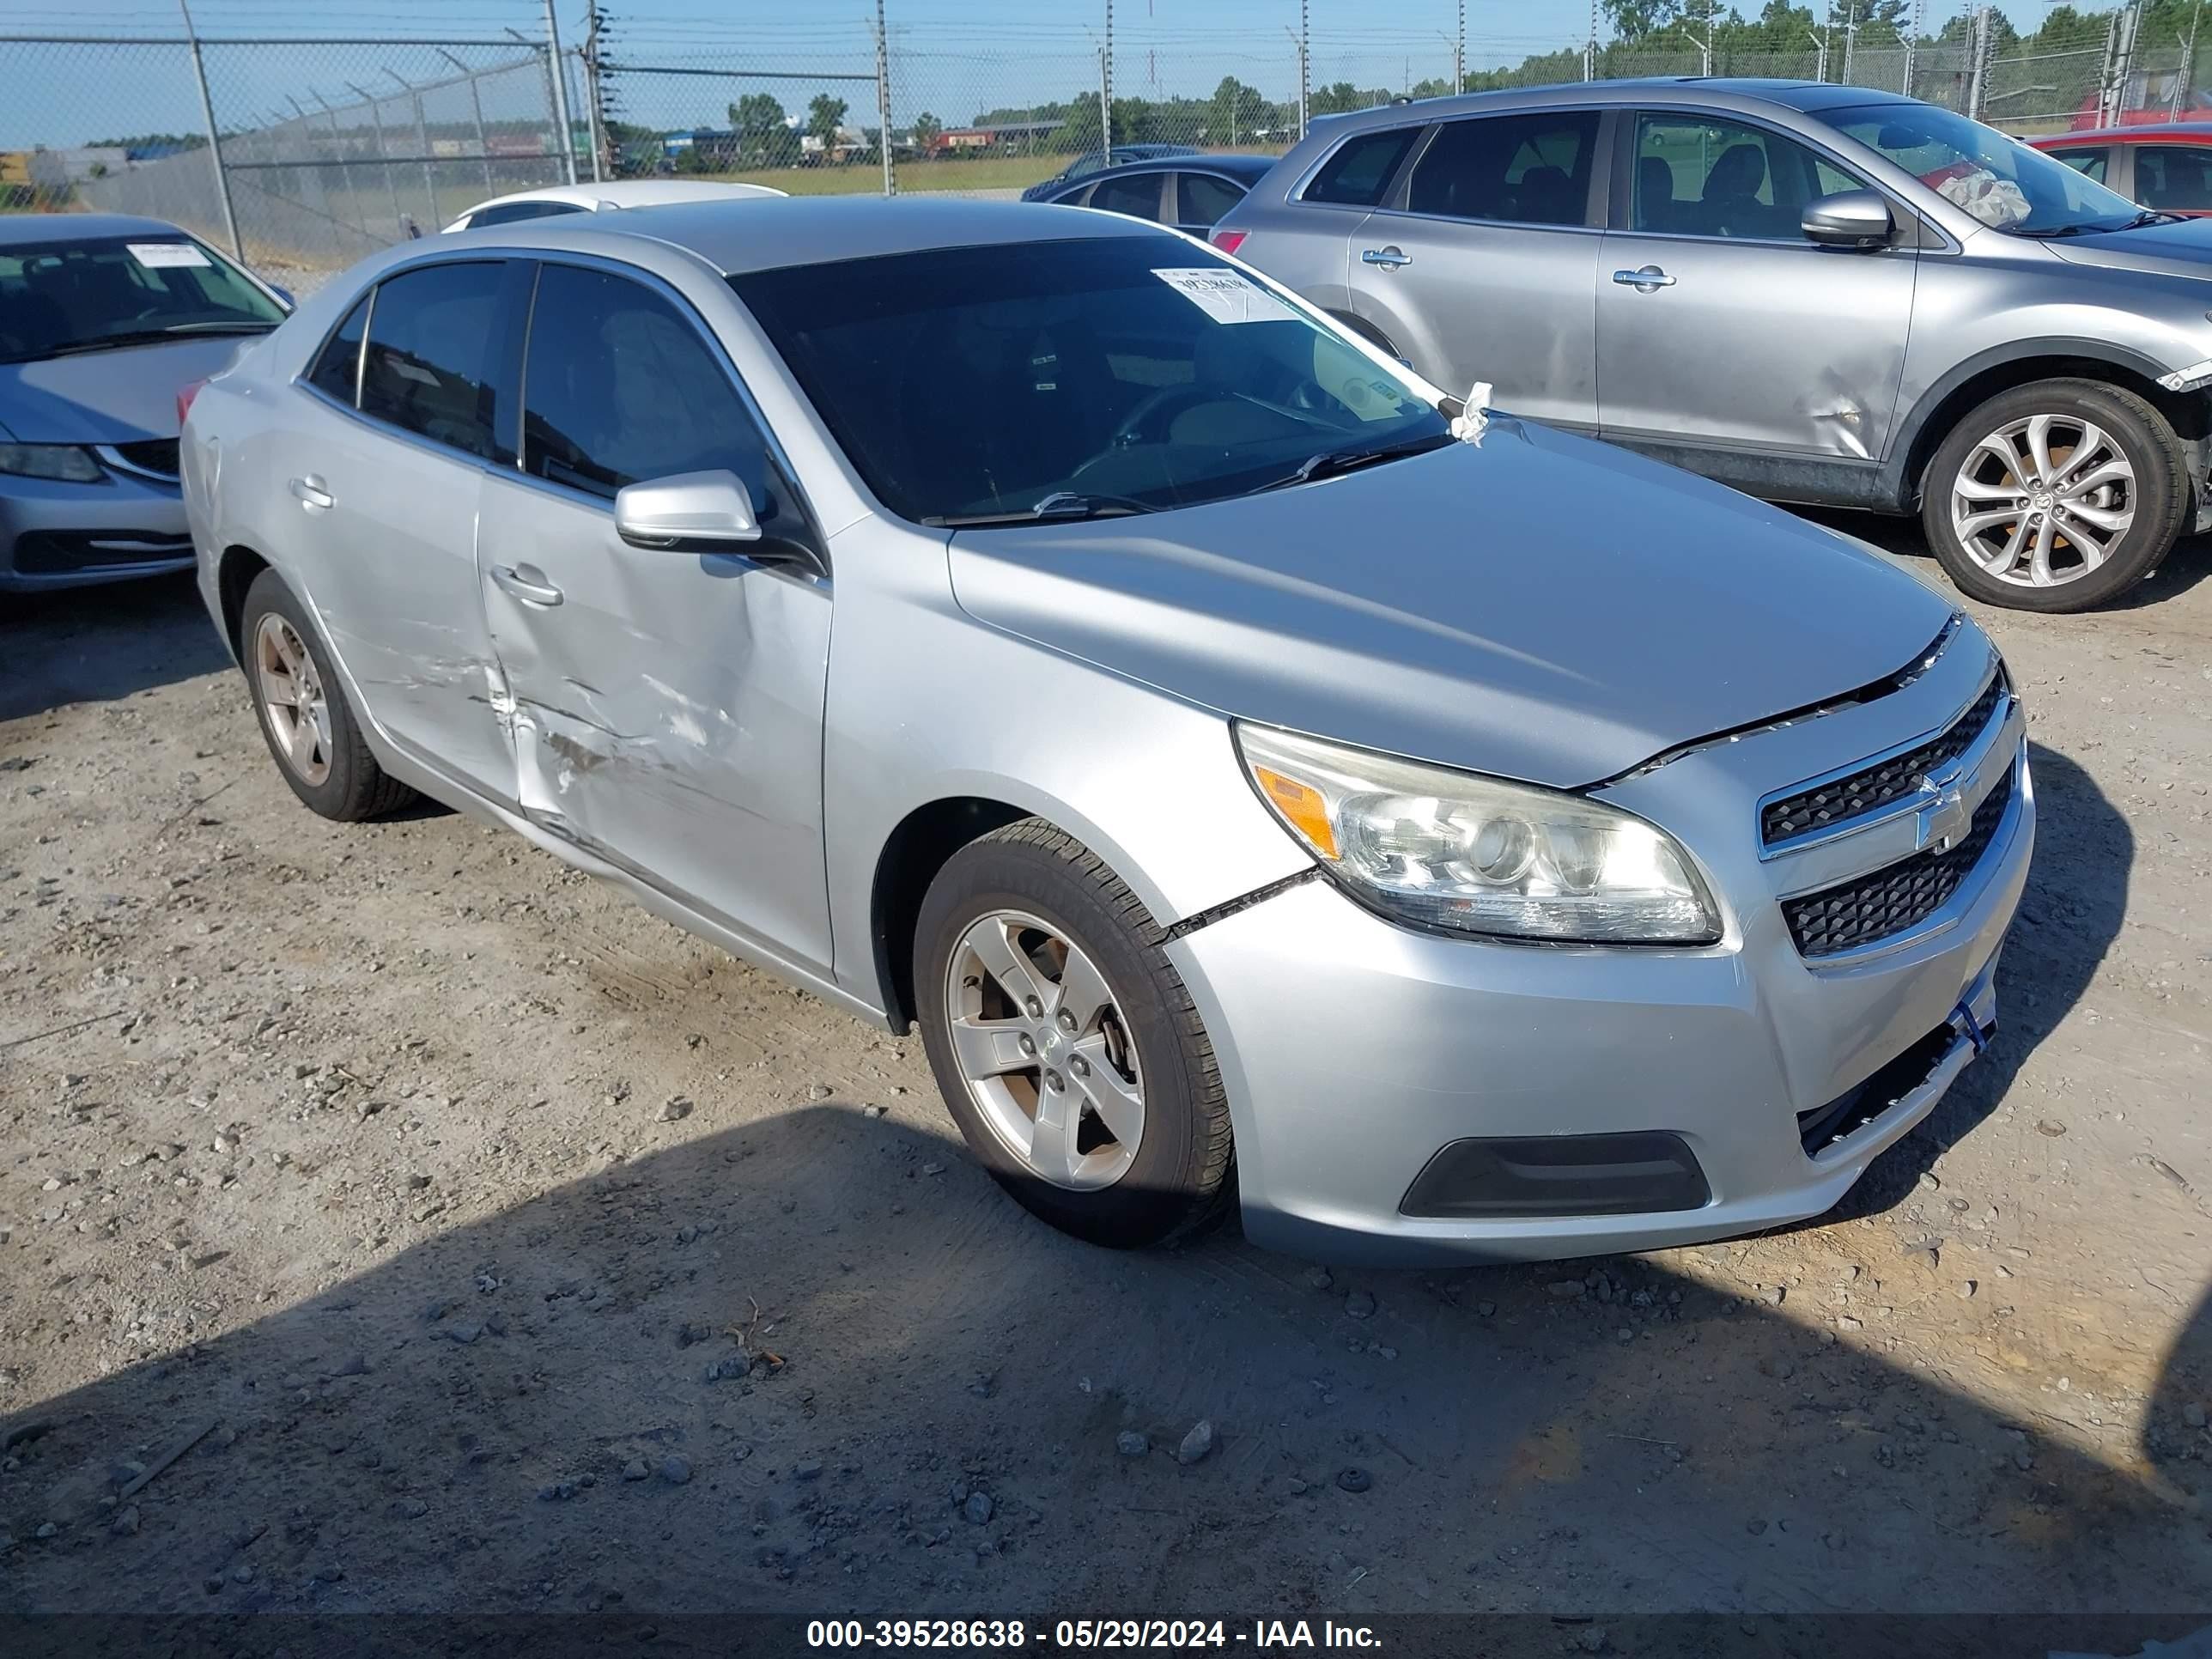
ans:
(61, 461)
(1477, 854)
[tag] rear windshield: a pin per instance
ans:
(100, 293)
(975, 381)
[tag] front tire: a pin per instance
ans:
(304, 719)
(2057, 496)
(1066, 1044)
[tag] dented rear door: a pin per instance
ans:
(665, 707)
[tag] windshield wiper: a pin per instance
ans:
(141, 336)
(1331, 462)
(2150, 216)
(1061, 505)
(2147, 216)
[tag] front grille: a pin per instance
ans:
(56, 552)
(1880, 905)
(156, 455)
(1853, 1109)
(1882, 784)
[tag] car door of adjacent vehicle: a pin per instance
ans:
(1482, 262)
(667, 706)
(384, 459)
(1719, 324)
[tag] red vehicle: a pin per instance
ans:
(2167, 166)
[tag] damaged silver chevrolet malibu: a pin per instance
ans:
(1027, 624)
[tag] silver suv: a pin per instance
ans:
(1817, 293)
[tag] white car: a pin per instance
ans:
(604, 197)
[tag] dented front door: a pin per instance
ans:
(666, 708)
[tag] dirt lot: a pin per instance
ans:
(471, 1240)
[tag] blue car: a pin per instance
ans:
(1092, 161)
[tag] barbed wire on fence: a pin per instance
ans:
(303, 154)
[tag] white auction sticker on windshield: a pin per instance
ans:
(154, 256)
(1226, 295)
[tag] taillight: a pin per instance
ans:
(184, 396)
(1229, 240)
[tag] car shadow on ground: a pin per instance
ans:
(96, 644)
(2188, 564)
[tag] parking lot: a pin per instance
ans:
(395, 1219)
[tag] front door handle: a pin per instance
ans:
(1389, 258)
(311, 493)
(527, 583)
(1649, 279)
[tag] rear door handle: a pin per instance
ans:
(1389, 258)
(1649, 279)
(527, 583)
(311, 492)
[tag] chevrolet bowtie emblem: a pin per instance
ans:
(1944, 818)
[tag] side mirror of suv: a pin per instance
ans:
(1850, 218)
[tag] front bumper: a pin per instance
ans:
(1353, 1049)
(54, 534)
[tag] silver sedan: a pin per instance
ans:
(1031, 624)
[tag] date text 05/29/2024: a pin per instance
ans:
(1086, 1634)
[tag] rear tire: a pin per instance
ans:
(2112, 473)
(1112, 1048)
(305, 720)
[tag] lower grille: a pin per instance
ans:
(1853, 1109)
(1886, 902)
(56, 552)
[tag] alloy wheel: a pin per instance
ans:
(2042, 501)
(293, 698)
(1044, 1050)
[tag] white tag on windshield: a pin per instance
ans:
(154, 256)
(1227, 297)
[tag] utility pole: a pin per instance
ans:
(1106, 91)
(884, 99)
(1305, 65)
(1820, 55)
(560, 78)
(1980, 45)
(2188, 60)
(1850, 40)
(1459, 55)
(1912, 44)
(1589, 51)
(594, 114)
(214, 138)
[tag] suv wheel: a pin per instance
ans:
(2056, 496)
(1065, 1044)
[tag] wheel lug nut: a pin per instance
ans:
(1027, 1043)
(1080, 1065)
(1066, 1021)
(1036, 1008)
(1051, 1081)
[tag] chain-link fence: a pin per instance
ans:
(325, 148)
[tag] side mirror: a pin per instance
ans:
(1850, 218)
(690, 512)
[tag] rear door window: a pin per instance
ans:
(1360, 169)
(336, 373)
(429, 366)
(2175, 177)
(1137, 197)
(1509, 169)
(1202, 199)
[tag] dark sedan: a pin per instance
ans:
(1189, 192)
(1093, 161)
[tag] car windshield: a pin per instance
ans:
(2001, 181)
(93, 293)
(1111, 374)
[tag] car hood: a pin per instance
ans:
(1533, 605)
(116, 396)
(2176, 250)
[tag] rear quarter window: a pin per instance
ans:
(1360, 169)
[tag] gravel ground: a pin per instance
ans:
(392, 1219)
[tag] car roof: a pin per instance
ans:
(2159, 132)
(1249, 169)
(803, 230)
(1727, 92)
(634, 193)
(19, 228)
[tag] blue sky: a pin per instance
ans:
(953, 57)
